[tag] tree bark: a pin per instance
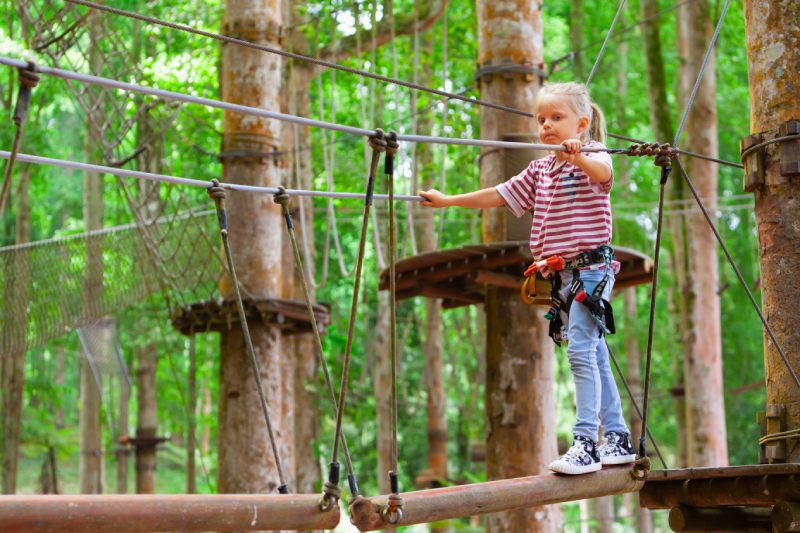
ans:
(147, 426)
(705, 400)
(774, 74)
(252, 78)
(383, 388)
(12, 364)
(520, 402)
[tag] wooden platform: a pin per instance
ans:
(713, 487)
(460, 276)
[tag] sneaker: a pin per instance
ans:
(581, 458)
(616, 449)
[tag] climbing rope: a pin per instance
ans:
(218, 194)
(605, 43)
(282, 199)
(666, 168)
(394, 510)
(28, 79)
(331, 491)
(291, 55)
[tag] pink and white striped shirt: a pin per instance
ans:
(571, 214)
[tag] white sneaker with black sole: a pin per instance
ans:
(581, 458)
(616, 449)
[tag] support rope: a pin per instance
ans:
(666, 168)
(291, 55)
(282, 199)
(393, 512)
(634, 403)
(217, 193)
(331, 488)
(700, 74)
(28, 79)
(738, 272)
(605, 43)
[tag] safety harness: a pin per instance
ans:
(599, 308)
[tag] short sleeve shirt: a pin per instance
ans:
(571, 214)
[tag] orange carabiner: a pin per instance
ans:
(525, 296)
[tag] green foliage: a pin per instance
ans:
(175, 61)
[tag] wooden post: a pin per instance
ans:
(774, 73)
(520, 402)
(153, 513)
(253, 78)
(502, 496)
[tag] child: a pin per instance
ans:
(569, 193)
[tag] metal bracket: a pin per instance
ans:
(753, 163)
(790, 149)
(772, 421)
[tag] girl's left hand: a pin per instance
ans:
(572, 154)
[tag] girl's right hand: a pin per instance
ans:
(433, 198)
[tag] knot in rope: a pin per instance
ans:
(393, 512)
(391, 144)
(378, 141)
(216, 191)
(27, 76)
(331, 495)
(663, 153)
(281, 197)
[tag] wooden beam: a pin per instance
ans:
(454, 269)
(748, 491)
(432, 505)
(450, 293)
(688, 519)
(153, 513)
(497, 279)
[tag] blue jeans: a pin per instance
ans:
(596, 394)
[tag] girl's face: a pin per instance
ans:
(557, 121)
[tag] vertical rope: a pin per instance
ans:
(378, 144)
(283, 200)
(395, 505)
(665, 171)
(217, 193)
(28, 79)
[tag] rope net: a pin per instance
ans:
(47, 280)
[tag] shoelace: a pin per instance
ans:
(575, 451)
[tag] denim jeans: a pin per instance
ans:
(596, 395)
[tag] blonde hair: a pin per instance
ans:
(577, 96)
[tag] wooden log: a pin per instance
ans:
(786, 517)
(153, 513)
(432, 505)
(757, 491)
(729, 519)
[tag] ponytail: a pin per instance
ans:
(597, 127)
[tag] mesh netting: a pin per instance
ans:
(45, 293)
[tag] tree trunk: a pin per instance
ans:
(576, 23)
(705, 400)
(252, 78)
(12, 364)
(520, 402)
(122, 425)
(147, 426)
(603, 509)
(774, 73)
(191, 448)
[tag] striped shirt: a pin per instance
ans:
(571, 214)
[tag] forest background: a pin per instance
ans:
(50, 203)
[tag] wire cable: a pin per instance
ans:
(278, 51)
(605, 43)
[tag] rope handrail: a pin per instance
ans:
(284, 117)
(291, 55)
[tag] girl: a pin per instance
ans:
(569, 193)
